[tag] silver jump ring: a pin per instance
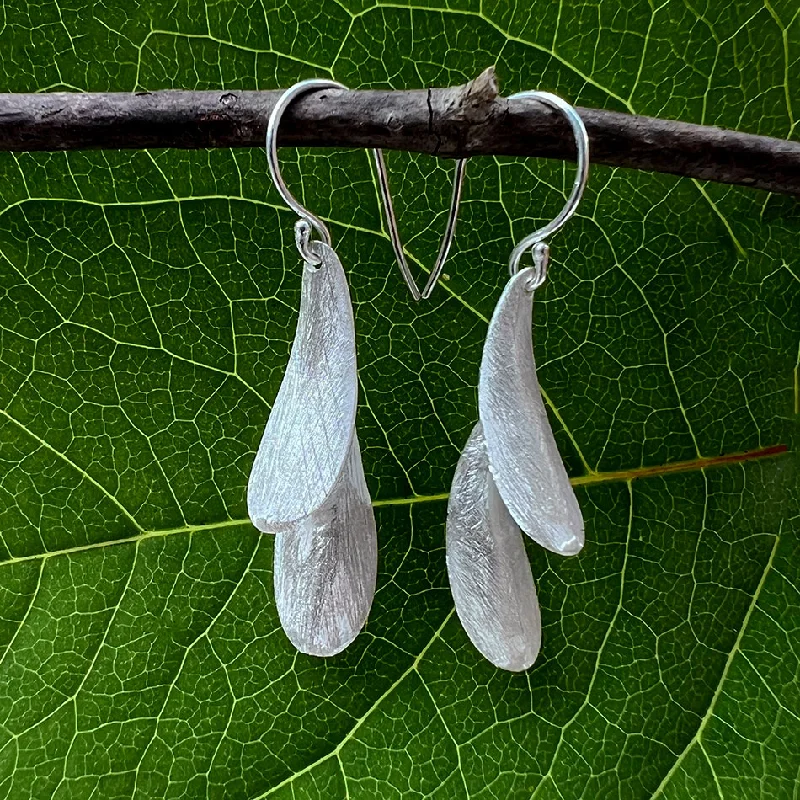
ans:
(533, 240)
(302, 241)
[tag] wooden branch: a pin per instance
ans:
(460, 121)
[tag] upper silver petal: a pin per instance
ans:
(308, 434)
(525, 462)
(326, 566)
(490, 576)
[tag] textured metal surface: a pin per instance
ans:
(525, 462)
(308, 434)
(325, 567)
(490, 576)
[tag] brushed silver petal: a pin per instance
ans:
(525, 462)
(308, 434)
(490, 576)
(326, 566)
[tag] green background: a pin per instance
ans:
(147, 306)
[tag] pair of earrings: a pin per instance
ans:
(307, 484)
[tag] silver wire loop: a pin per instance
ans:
(302, 233)
(394, 235)
(302, 240)
(541, 258)
(532, 240)
(309, 221)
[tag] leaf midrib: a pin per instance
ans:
(694, 465)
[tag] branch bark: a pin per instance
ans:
(460, 121)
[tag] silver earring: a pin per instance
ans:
(510, 476)
(307, 483)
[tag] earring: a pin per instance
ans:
(510, 476)
(307, 483)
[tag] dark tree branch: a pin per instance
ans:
(466, 120)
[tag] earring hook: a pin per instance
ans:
(394, 234)
(536, 241)
(307, 219)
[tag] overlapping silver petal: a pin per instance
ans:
(490, 576)
(524, 459)
(310, 429)
(326, 565)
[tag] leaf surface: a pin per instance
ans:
(147, 306)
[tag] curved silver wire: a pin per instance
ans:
(394, 235)
(302, 231)
(309, 221)
(535, 241)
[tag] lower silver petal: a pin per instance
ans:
(490, 575)
(326, 566)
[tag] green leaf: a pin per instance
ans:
(147, 307)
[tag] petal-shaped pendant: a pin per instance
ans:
(308, 434)
(525, 462)
(490, 576)
(326, 565)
